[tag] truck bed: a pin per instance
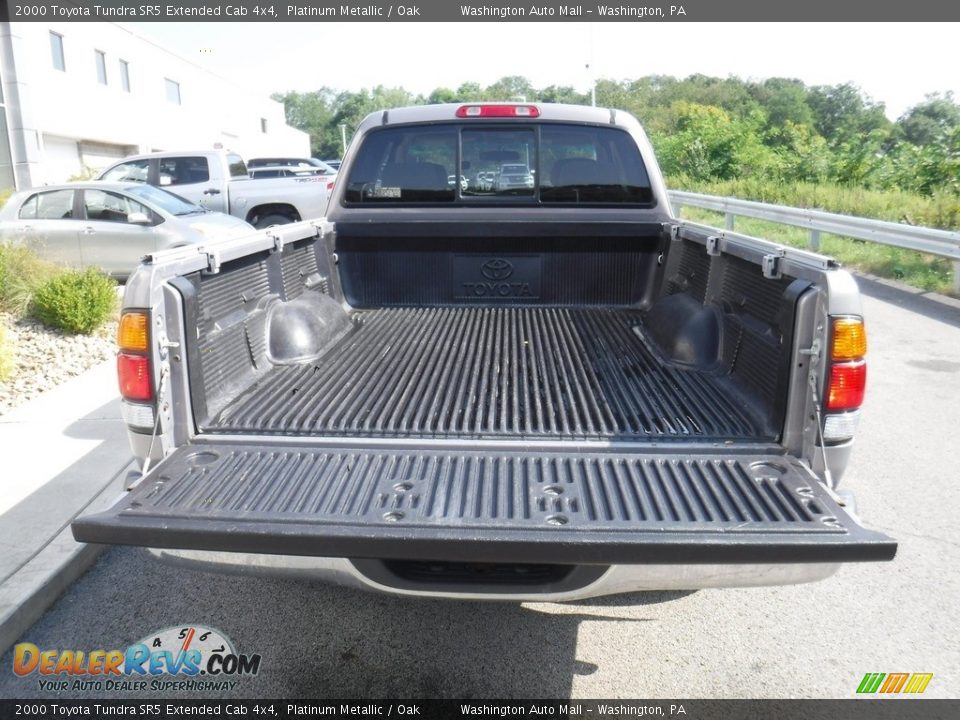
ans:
(502, 373)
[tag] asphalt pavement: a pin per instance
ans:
(812, 641)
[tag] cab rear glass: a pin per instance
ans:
(509, 163)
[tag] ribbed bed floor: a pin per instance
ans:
(491, 373)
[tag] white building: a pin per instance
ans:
(75, 96)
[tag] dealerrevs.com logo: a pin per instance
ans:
(189, 657)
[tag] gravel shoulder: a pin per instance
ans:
(44, 358)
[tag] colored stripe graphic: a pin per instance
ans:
(870, 682)
(918, 682)
(894, 683)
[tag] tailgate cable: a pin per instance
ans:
(814, 353)
(156, 422)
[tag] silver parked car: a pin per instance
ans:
(108, 225)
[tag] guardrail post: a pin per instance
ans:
(956, 276)
(729, 221)
(814, 243)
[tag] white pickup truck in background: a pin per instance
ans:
(218, 181)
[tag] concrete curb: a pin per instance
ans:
(65, 454)
(26, 595)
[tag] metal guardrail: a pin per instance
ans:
(944, 243)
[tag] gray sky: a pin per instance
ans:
(896, 63)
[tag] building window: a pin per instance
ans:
(263, 125)
(125, 75)
(173, 91)
(101, 66)
(56, 51)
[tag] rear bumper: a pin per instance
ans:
(615, 580)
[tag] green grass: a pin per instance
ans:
(929, 272)
(917, 269)
(21, 274)
(941, 210)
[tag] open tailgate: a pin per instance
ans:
(594, 507)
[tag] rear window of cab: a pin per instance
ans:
(528, 164)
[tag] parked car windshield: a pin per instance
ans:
(173, 204)
(552, 163)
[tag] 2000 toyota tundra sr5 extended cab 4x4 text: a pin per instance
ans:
(544, 389)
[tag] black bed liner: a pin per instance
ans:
(514, 373)
(482, 505)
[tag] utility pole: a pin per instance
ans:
(343, 137)
(593, 77)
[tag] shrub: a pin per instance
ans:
(7, 363)
(21, 273)
(78, 302)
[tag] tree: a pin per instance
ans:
(785, 101)
(708, 143)
(442, 95)
(353, 107)
(312, 112)
(931, 120)
(512, 87)
(843, 112)
(562, 94)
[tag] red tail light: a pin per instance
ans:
(133, 372)
(847, 384)
(498, 111)
(330, 185)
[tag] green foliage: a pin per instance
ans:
(942, 210)
(710, 143)
(928, 122)
(7, 354)
(321, 113)
(78, 302)
(21, 273)
(923, 271)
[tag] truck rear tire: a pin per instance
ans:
(271, 219)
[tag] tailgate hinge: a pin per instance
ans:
(213, 261)
(277, 241)
(713, 245)
(771, 264)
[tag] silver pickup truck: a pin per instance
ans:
(552, 390)
(218, 181)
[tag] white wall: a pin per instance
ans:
(73, 105)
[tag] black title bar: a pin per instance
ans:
(469, 10)
(879, 709)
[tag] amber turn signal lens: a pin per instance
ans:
(132, 333)
(849, 338)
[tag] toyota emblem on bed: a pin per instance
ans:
(497, 269)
